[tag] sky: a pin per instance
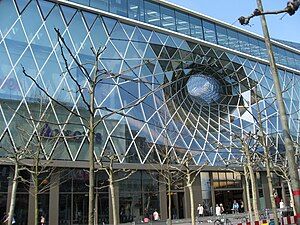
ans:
(286, 28)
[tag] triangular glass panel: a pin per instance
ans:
(112, 65)
(154, 39)
(83, 154)
(153, 156)
(120, 147)
(156, 49)
(89, 18)
(98, 33)
(113, 100)
(171, 51)
(128, 29)
(140, 46)
(121, 46)
(61, 152)
(162, 37)
(108, 151)
(109, 24)
(131, 53)
(110, 53)
(118, 33)
(16, 42)
(46, 8)
(137, 35)
(78, 31)
(164, 54)
(185, 46)
(170, 43)
(149, 53)
(22, 4)
(5, 66)
(6, 145)
(55, 20)
(7, 17)
(146, 33)
(68, 13)
(132, 154)
(31, 15)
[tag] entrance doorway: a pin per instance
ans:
(177, 205)
(226, 197)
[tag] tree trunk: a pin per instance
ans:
(291, 196)
(190, 188)
(248, 194)
(288, 143)
(13, 194)
(263, 140)
(169, 203)
(253, 183)
(36, 210)
(113, 200)
(270, 185)
(91, 219)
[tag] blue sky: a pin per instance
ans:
(287, 28)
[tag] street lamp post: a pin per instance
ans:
(289, 148)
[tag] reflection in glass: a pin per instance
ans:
(182, 23)
(152, 14)
(118, 7)
(204, 89)
(167, 18)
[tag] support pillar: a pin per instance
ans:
(117, 204)
(266, 191)
(30, 219)
(163, 200)
(213, 196)
(54, 199)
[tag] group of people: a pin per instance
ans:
(236, 208)
(5, 218)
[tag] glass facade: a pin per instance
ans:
(195, 96)
(183, 22)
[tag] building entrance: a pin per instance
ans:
(226, 197)
(177, 205)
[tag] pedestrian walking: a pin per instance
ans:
(200, 210)
(43, 220)
(218, 210)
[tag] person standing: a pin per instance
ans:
(218, 210)
(43, 220)
(235, 207)
(155, 215)
(242, 206)
(200, 210)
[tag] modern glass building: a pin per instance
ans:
(197, 77)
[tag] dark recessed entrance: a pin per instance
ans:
(226, 197)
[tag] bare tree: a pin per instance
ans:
(189, 172)
(93, 77)
(167, 175)
(281, 169)
(14, 156)
(106, 163)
